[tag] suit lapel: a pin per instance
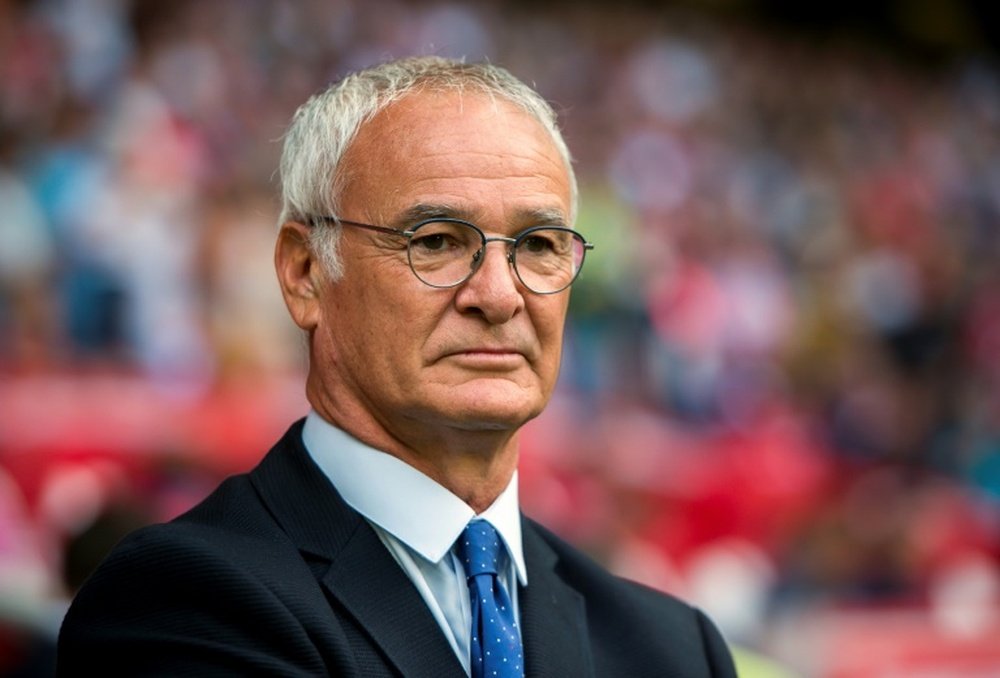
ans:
(553, 616)
(363, 575)
(370, 584)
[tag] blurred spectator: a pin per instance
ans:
(27, 259)
(780, 382)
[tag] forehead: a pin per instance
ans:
(463, 148)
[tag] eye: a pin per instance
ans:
(537, 244)
(432, 242)
(444, 238)
(546, 242)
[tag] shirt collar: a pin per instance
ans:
(412, 507)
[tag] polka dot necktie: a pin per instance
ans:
(496, 641)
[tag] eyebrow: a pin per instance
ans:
(424, 211)
(547, 216)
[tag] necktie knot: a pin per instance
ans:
(479, 549)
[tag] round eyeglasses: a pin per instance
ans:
(445, 252)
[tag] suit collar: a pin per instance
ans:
(302, 500)
(372, 587)
(375, 590)
(362, 575)
(553, 615)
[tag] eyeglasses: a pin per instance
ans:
(445, 252)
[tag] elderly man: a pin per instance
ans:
(426, 249)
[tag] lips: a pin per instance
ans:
(494, 354)
(489, 345)
(487, 356)
(494, 351)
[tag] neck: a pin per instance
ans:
(474, 464)
(474, 470)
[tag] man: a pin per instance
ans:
(425, 248)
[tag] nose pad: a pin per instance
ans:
(480, 256)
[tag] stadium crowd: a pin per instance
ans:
(781, 391)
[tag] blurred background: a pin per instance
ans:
(780, 397)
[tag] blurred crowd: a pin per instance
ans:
(781, 390)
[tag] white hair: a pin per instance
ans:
(324, 127)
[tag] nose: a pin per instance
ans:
(493, 289)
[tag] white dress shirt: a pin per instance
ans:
(418, 520)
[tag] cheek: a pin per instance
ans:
(550, 315)
(402, 320)
(549, 323)
(350, 318)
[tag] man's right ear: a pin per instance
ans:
(299, 274)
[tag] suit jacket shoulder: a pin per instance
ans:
(272, 574)
(202, 597)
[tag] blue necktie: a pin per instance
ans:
(496, 641)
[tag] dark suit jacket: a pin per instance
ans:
(273, 574)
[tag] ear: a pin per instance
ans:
(299, 274)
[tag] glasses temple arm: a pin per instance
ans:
(356, 224)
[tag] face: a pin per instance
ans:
(485, 354)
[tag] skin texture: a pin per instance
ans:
(441, 378)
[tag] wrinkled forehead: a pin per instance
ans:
(427, 113)
(436, 143)
(433, 112)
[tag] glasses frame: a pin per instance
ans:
(477, 258)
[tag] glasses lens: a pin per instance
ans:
(547, 260)
(441, 252)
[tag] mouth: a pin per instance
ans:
(488, 358)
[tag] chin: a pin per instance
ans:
(484, 417)
(491, 409)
